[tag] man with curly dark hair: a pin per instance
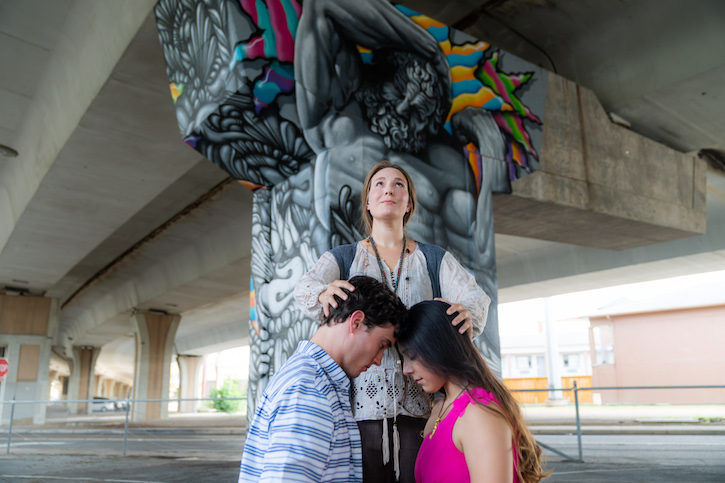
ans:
(303, 428)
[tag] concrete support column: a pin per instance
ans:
(82, 378)
(52, 375)
(155, 334)
(97, 385)
(189, 382)
(553, 367)
(28, 326)
(117, 390)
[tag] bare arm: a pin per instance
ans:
(327, 62)
(486, 442)
(479, 127)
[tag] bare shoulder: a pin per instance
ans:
(479, 416)
(485, 439)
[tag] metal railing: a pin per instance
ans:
(576, 390)
(128, 404)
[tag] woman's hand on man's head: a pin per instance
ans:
(463, 321)
(327, 296)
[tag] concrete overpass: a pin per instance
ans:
(106, 217)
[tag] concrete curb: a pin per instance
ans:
(211, 431)
(628, 429)
(672, 429)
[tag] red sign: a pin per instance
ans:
(4, 366)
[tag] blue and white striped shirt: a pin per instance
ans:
(303, 428)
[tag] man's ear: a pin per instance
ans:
(356, 321)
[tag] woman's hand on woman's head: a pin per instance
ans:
(463, 320)
(327, 296)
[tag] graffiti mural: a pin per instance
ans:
(299, 101)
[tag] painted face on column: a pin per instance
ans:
(388, 199)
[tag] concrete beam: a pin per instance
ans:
(601, 185)
(94, 37)
(208, 340)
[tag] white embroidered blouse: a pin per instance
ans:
(377, 392)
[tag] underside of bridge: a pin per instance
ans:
(105, 213)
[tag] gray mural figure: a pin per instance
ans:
(279, 96)
(354, 115)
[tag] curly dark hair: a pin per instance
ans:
(379, 304)
(403, 71)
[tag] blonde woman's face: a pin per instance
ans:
(388, 197)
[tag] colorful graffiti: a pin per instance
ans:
(302, 106)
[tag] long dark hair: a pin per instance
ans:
(430, 336)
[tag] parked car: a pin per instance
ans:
(102, 404)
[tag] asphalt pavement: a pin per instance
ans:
(620, 444)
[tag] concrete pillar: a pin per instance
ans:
(97, 385)
(155, 334)
(82, 378)
(553, 368)
(52, 375)
(117, 390)
(189, 382)
(28, 326)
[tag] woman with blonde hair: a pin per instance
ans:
(391, 410)
(476, 432)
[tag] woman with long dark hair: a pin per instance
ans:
(391, 410)
(476, 431)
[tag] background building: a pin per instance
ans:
(674, 339)
(524, 358)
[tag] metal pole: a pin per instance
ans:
(578, 422)
(10, 427)
(125, 426)
(553, 370)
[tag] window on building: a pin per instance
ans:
(603, 336)
(523, 364)
(570, 362)
(540, 366)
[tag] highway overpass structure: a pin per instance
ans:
(111, 226)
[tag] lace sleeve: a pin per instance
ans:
(459, 286)
(311, 285)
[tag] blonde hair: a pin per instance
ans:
(367, 217)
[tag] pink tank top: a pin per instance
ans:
(438, 459)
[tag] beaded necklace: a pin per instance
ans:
(442, 412)
(396, 281)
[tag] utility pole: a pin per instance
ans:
(553, 366)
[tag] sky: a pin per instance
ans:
(522, 317)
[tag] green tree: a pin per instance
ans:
(230, 389)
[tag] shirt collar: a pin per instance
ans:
(327, 363)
